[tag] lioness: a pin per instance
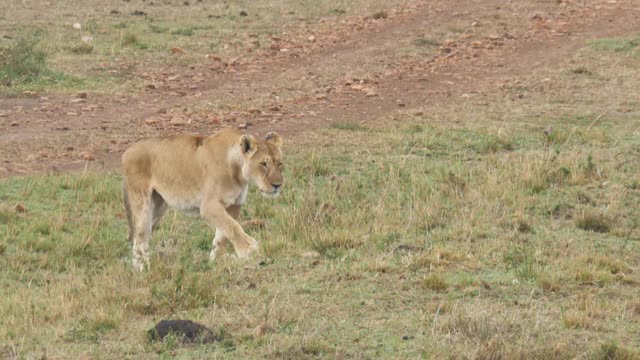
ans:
(209, 175)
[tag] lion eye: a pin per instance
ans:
(263, 163)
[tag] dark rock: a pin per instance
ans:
(186, 330)
(243, 13)
(139, 13)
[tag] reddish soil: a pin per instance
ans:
(361, 72)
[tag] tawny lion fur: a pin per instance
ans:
(205, 175)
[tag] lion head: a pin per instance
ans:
(263, 163)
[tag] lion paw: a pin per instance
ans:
(248, 250)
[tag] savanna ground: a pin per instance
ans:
(462, 178)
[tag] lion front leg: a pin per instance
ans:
(228, 230)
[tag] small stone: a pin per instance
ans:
(243, 13)
(77, 101)
(380, 15)
(77, 26)
(311, 38)
(150, 121)
(243, 126)
(321, 97)
(371, 93)
(177, 121)
(15, 123)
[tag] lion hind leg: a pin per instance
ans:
(141, 209)
(159, 209)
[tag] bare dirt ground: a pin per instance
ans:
(336, 72)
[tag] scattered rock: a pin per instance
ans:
(371, 93)
(400, 103)
(380, 15)
(85, 356)
(213, 57)
(178, 121)
(186, 330)
(243, 126)
(76, 101)
(321, 97)
(243, 13)
(150, 121)
(139, 13)
(77, 26)
(311, 38)
(21, 208)
(15, 123)
(535, 16)
(115, 12)
(29, 93)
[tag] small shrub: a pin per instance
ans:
(591, 221)
(426, 41)
(434, 282)
(343, 125)
(24, 61)
(611, 351)
(132, 40)
(183, 32)
(157, 29)
(81, 49)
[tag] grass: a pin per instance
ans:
(482, 256)
(464, 233)
(144, 41)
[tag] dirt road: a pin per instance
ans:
(422, 54)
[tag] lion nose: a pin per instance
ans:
(276, 186)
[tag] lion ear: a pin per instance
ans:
(248, 145)
(274, 139)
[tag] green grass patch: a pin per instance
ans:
(619, 45)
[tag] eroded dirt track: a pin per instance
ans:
(359, 73)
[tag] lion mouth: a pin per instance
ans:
(273, 193)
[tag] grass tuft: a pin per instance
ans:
(592, 221)
(24, 61)
(434, 282)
